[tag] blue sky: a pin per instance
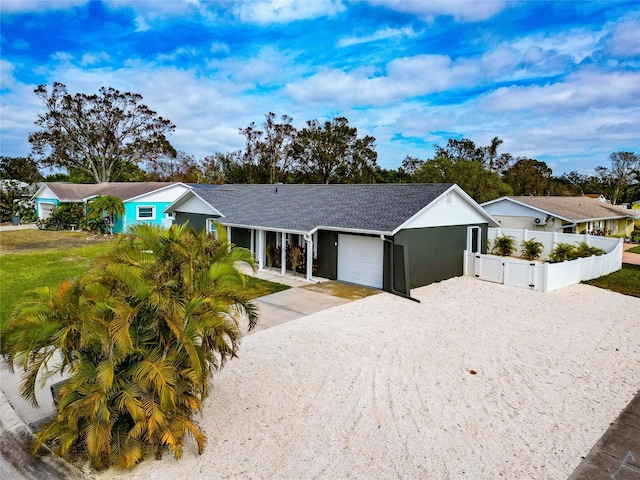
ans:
(557, 81)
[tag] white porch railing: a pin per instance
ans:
(544, 277)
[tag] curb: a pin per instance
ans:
(16, 462)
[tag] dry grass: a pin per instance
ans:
(26, 241)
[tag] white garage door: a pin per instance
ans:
(360, 260)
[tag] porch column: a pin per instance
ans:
(260, 249)
(283, 254)
(252, 243)
(309, 257)
(229, 234)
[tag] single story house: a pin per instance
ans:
(389, 236)
(143, 201)
(563, 214)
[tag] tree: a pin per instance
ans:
(267, 154)
(617, 180)
(492, 153)
(333, 153)
(140, 336)
(411, 164)
(11, 192)
(529, 177)
(481, 184)
(106, 208)
(181, 168)
(98, 134)
(24, 169)
(463, 149)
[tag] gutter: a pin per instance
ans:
(393, 290)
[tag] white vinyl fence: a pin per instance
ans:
(537, 275)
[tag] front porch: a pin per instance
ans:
(286, 254)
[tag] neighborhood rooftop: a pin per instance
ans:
(124, 190)
(302, 208)
(575, 208)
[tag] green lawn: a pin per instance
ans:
(625, 281)
(32, 258)
(634, 249)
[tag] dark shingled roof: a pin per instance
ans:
(75, 192)
(370, 207)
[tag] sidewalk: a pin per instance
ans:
(628, 257)
(28, 226)
(617, 453)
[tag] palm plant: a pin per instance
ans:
(107, 208)
(531, 249)
(140, 336)
(563, 252)
(585, 250)
(504, 245)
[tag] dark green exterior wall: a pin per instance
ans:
(433, 254)
(327, 255)
(196, 220)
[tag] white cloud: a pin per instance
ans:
(577, 44)
(382, 34)
(461, 10)
(89, 59)
(6, 75)
(38, 5)
(625, 39)
(284, 11)
(578, 92)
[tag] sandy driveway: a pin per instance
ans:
(477, 381)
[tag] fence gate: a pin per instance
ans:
(498, 270)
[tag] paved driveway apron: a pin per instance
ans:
(305, 299)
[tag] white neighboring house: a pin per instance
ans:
(562, 214)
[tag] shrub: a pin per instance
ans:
(10, 192)
(26, 210)
(586, 250)
(140, 336)
(563, 252)
(64, 215)
(504, 245)
(531, 249)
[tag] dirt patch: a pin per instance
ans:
(342, 290)
(25, 241)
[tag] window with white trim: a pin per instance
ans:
(211, 227)
(144, 212)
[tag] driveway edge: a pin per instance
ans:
(15, 439)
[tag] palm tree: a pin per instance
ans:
(140, 336)
(107, 208)
(492, 151)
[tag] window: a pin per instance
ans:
(211, 227)
(146, 213)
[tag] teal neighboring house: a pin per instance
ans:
(144, 202)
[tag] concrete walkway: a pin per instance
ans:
(616, 456)
(303, 298)
(628, 257)
(28, 226)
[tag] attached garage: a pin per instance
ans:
(360, 260)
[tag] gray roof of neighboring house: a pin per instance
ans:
(370, 207)
(77, 192)
(576, 208)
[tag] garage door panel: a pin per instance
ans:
(360, 260)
